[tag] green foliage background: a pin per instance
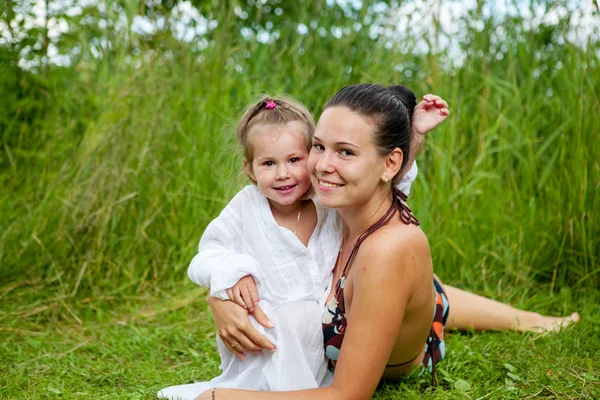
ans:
(112, 166)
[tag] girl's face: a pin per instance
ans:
(344, 165)
(279, 164)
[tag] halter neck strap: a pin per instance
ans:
(406, 216)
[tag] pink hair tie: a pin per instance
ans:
(270, 105)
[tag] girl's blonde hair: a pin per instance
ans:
(273, 111)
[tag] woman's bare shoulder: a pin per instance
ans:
(393, 262)
(397, 250)
(397, 238)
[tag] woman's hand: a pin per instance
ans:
(244, 293)
(235, 329)
(429, 113)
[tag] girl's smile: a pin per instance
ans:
(279, 162)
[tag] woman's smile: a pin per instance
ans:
(327, 185)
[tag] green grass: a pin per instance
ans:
(110, 172)
(132, 349)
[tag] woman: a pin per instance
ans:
(387, 307)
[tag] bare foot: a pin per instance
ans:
(542, 324)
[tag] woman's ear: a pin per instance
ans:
(248, 169)
(393, 164)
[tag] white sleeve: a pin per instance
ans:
(220, 262)
(408, 179)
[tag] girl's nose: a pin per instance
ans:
(282, 172)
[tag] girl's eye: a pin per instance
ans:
(268, 163)
(294, 159)
(346, 153)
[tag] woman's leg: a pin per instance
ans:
(468, 310)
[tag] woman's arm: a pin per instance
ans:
(383, 277)
(427, 115)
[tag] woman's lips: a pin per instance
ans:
(326, 185)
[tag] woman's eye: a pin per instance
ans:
(318, 146)
(346, 153)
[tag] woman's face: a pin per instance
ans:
(344, 164)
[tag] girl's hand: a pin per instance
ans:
(244, 293)
(235, 329)
(429, 113)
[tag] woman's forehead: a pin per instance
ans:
(343, 124)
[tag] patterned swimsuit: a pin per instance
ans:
(334, 319)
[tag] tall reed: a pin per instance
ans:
(108, 193)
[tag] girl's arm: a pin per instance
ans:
(383, 277)
(219, 265)
(220, 262)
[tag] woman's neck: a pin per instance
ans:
(358, 218)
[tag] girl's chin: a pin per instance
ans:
(286, 199)
(288, 203)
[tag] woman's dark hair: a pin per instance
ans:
(389, 108)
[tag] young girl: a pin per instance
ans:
(274, 232)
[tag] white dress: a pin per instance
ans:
(293, 283)
(292, 280)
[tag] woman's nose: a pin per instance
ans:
(324, 163)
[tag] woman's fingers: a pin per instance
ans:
(441, 103)
(236, 352)
(262, 318)
(233, 326)
(250, 337)
(247, 336)
(240, 337)
(432, 97)
(434, 100)
(237, 338)
(248, 345)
